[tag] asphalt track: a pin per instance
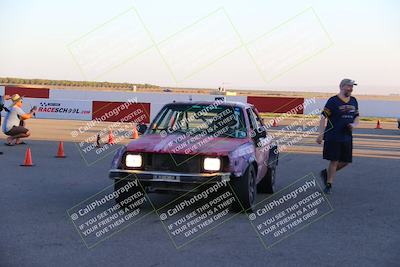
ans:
(35, 230)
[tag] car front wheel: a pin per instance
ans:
(245, 189)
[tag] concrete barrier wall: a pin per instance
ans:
(368, 108)
(155, 101)
(379, 108)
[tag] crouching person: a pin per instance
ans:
(13, 125)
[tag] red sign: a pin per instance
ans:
(121, 111)
(27, 91)
(277, 104)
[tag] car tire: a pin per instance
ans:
(120, 183)
(267, 183)
(245, 189)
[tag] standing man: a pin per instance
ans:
(13, 123)
(342, 113)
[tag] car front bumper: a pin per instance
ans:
(169, 177)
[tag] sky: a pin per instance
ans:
(298, 45)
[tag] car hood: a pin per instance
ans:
(178, 144)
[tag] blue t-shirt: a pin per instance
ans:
(339, 115)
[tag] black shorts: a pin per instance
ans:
(15, 130)
(338, 151)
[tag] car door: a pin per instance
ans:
(260, 144)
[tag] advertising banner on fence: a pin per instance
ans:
(60, 109)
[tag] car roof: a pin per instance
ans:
(225, 103)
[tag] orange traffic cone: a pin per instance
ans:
(135, 134)
(60, 152)
(378, 125)
(110, 138)
(275, 124)
(28, 159)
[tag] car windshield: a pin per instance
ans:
(216, 120)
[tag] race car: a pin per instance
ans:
(193, 143)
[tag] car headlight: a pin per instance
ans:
(212, 164)
(133, 160)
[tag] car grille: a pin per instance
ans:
(173, 163)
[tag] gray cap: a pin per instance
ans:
(347, 82)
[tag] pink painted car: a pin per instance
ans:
(193, 143)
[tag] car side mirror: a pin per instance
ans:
(261, 132)
(142, 128)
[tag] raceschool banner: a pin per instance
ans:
(59, 109)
